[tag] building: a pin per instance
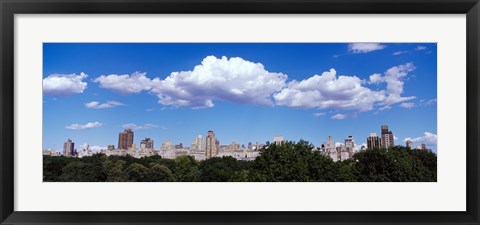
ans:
(374, 141)
(278, 140)
(234, 146)
(167, 145)
(387, 137)
(69, 148)
(146, 143)
(350, 144)
(343, 153)
(51, 152)
(125, 139)
(329, 149)
(211, 145)
(111, 147)
(409, 144)
(197, 144)
(423, 147)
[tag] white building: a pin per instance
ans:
(278, 140)
(167, 145)
(198, 144)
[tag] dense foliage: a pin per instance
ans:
(288, 162)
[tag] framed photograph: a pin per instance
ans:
(239, 112)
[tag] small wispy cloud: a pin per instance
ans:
(341, 116)
(407, 105)
(88, 125)
(139, 127)
(357, 48)
(106, 105)
(420, 48)
(318, 114)
(399, 52)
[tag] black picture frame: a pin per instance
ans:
(9, 8)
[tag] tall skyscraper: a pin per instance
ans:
(69, 148)
(125, 139)
(211, 145)
(387, 137)
(374, 141)
(147, 143)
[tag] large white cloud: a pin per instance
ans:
(394, 79)
(64, 84)
(235, 80)
(88, 125)
(364, 47)
(241, 81)
(106, 105)
(125, 84)
(428, 138)
(328, 91)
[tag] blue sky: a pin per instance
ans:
(245, 92)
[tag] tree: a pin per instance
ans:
(52, 167)
(218, 169)
(283, 162)
(136, 172)
(78, 172)
(186, 169)
(115, 172)
(160, 173)
(373, 165)
(320, 168)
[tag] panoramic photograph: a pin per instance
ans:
(239, 112)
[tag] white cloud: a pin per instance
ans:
(420, 48)
(234, 80)
(98, 105)
(428, 138)
(394, 79)
(88, 125)
(318, 114)
(407, 105)
(399, 52)
(395, 138)
(125, 84)
(241, 81)
(64, 84)
(339, 116)
(139, 127)
(425, 102)
(365, 47)
(328, 91)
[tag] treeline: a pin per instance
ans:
(288, 162)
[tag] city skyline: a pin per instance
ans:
(209, 147)
(300, 91)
